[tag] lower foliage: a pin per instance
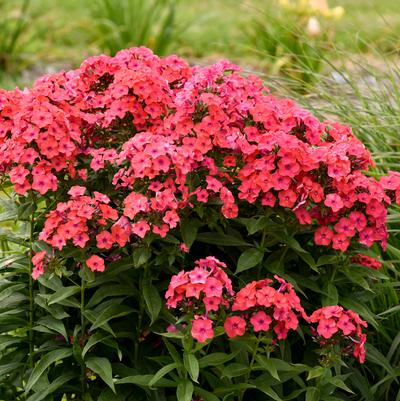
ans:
(75, 334)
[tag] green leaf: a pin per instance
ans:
(256, 224)
(234, 370)
(112, 290)
(234, 388)
(294, 244)
(52, 387)
(248, 259)
(144, 381)
(357, 278)
(162, 372)
(390, 310)
(268, 391)
(57, 311)
(62, 293)
(153, 300)
(268, 365)
(215, 359)
(53, 324)
(102, 367)
(44, 363)
(108, 395)
(221, 239)
(205, 395)
(184, 392)
(327, 260)
(189, 228)
(340, 383)
(191, 365)
(173, 352)
(111, 312)
(94, 339)
(373, 355)
(295, 394)
(9, 367)
(312, 394)
(317, 371)
(141, 256)
(331, 295)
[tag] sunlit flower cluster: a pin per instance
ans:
(162, 137)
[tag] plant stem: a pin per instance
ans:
(141, 312)
(252, 360)
(82, 336)
(30, 285)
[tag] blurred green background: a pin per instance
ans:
(39, 36)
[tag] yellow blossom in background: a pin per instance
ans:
(312, 8)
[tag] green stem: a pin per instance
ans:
(82, 336)
(334, 270)
(252, 360)
(262, 246)
(30, 285)
(141, 313)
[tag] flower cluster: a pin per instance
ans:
(202, 290)
(337, 325)
(169, 137)
(269, 307)
(366, 261)
(207, 284)
(80, 217)
(258, 307)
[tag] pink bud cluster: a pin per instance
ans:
(366, 261)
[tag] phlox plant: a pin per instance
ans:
(129, 171)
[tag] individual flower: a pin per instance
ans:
(202, 329)
(235, 326)
(260, 321)
(95, 263)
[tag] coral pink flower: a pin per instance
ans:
(340, 242)
(183, 247)
(235, 326)
(198, 275)
(140, 228)
(76, 191)
(327, 328)
(260, 321)
(202, 329)
(95, 263)
(359, 350)
(334, 201)
(104, 240)
(323, 236)
(346, 325)
(213, 287)
(212, 303)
